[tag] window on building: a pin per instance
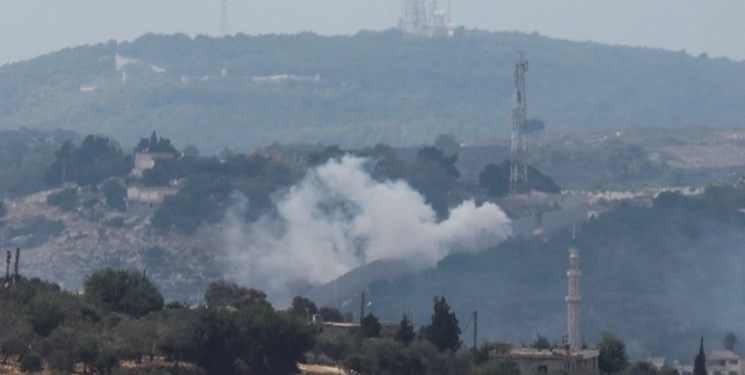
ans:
(542, 369)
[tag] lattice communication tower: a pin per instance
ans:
(519, 141)
(414, 17)
(424, 18)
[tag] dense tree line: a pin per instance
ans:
(496, 180)
(208, 184)
(88, 164)
(156, 144)
(433, 172)
(121, 316)
(437, 349)
(25, 154)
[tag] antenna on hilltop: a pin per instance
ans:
(519, 143)
(224, 26)
(450, 13)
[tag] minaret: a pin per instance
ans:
(573, 297)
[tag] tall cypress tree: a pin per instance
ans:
(699, 365)
(444, 331)
(405, 333)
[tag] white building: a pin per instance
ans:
(724, 362)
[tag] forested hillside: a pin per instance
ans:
(246, 91)
(657, 276)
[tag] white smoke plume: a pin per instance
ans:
(339, 218)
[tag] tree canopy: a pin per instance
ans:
(156, 144)
(613, 358)
(405, 333)
(223, 293)
(46, 327)
(496, 180)
(443, 331)
(730, 340)
(541, 342)
(370, 326)
(128, 292)
(96, 159)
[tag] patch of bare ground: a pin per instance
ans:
(323, 370)
(95, 236)
(171, 367)
(10, 368)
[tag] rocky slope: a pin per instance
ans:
(66, 246)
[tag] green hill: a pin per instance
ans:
(358, 90)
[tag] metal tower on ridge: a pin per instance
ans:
(573, 298)
(414, 17)
(519, 143)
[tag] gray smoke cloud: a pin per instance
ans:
(339, 218)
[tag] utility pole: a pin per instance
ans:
(362, 306)
(451, 25)
(519, 141)
(18, 255)
(475, 329)
(64, 170)
(7, 265)
(450, 14)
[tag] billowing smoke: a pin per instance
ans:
(339, 218)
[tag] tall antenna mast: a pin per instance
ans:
(415, 17)
(519, 143)
(224, 25)
(450, 13)
(450, 25)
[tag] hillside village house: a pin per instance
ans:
(718, 362)
(549, 361)
(149, 194)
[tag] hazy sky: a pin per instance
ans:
(33, 27)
